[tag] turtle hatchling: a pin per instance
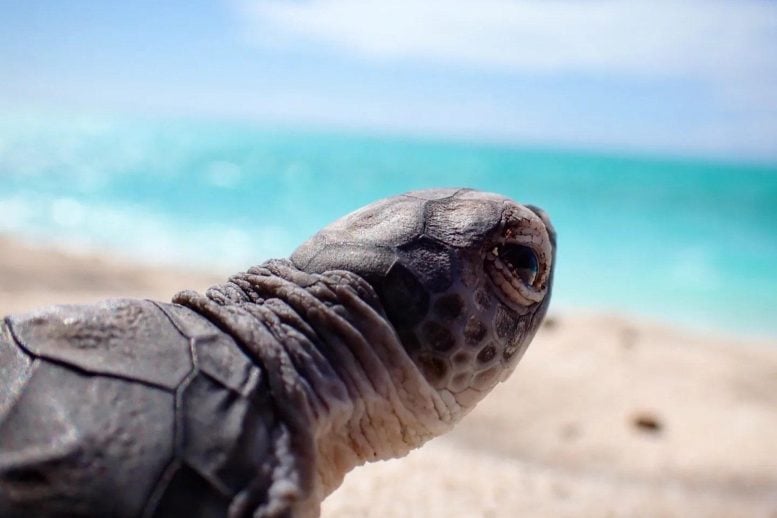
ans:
(254, 400)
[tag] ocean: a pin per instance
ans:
(689, 241)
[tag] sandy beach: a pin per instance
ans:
(605, 416)
(31, 276)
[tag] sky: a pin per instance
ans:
(683, 77)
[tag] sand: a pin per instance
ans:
(605, 416)
(31, 276)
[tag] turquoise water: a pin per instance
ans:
(690, 241)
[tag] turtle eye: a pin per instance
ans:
(521, 260)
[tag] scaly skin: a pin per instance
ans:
(256, 399)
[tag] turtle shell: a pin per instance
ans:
(129, 408)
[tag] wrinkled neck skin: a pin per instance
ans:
(341, 380)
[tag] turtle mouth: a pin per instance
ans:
(515, 270)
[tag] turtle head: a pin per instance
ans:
(464, 277)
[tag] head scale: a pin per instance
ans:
(464, 276)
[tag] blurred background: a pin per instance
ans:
(208, 136)
(218, 134)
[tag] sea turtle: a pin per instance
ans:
(379, 333)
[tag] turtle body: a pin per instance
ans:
(129, 408)
(255, 399)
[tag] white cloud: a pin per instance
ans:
(709, 37)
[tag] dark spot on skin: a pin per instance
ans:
(474, 331)
(469, 273)
(460, 380)
(409, 340)
(437, 336)
(505, 323)
(433, 368)
(487, 378)
(26, 476)
(510, 351)
(405, 299)
(449, 307)
(482, 299)
(647, 423)
(487, 354)
(460, 358)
